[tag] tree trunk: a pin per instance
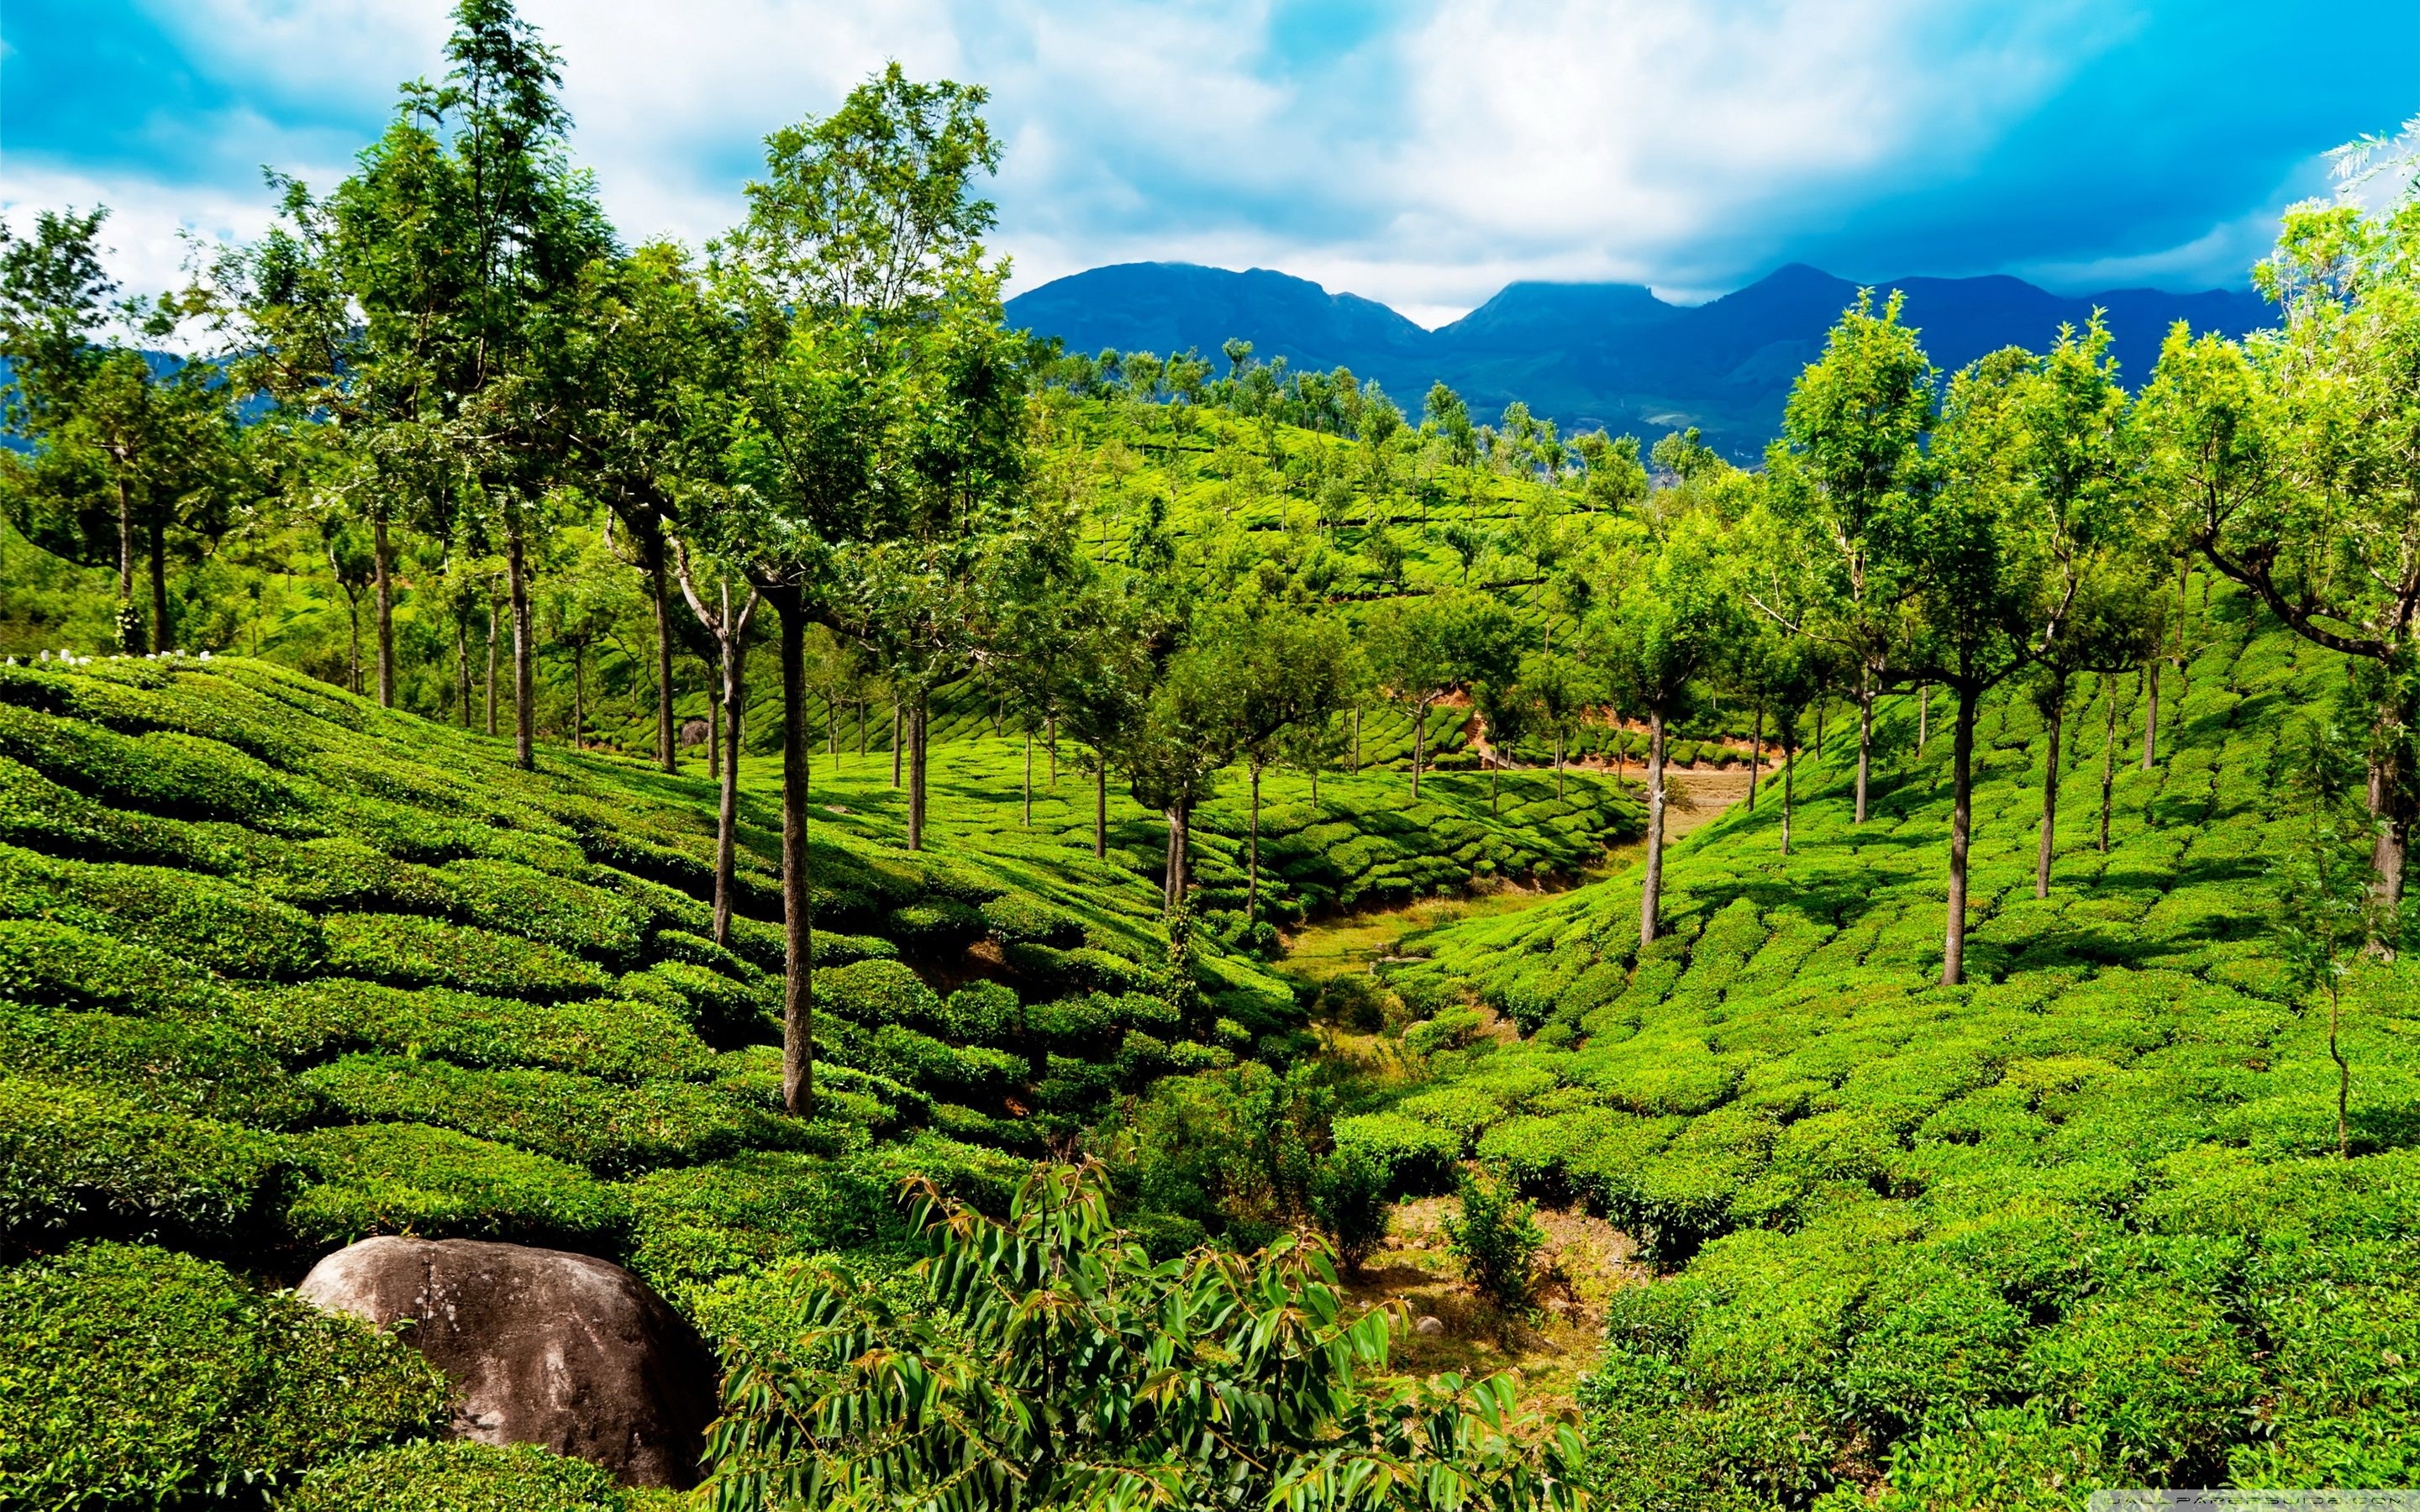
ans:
(462, 659)
(797, 928)
(1961, 816)
(492, 609)
(126, 621)
(1789, 791)
(1180, 835)
(1252, 860)
(2392, 814)
(1029, 780)
(859, 709)
(713, 728)
(1419, 732)
(382, 574)
(1651, 890)
(2344, 1071)
(2150, 711)
(160, 640)
(524, 676)
(1865, 743)
(1923, 715)
(917, 714)
(354, 612)
(1818, 730)
(895, 742)
(1051, 741)
(2048, 847)
(1559, 766)
(1756, 756)
(667, 748)
(1356, 740)
(1100, 804)
(2108, 757)
(730, 710)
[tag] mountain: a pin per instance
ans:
(1598, 354)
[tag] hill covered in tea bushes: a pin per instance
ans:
(2079, 1222)
(279, 970)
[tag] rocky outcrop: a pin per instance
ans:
(543, 1347)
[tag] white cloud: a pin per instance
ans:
(1464, 145)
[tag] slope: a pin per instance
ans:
(280, 970)
(2079, 1222)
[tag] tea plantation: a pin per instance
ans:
(279, 970)
(2079, 1222)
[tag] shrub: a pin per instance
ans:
(417, 953)
(75, 1160)
(611, 1130)
(987, 1012)
(211, 923)
(135, 1376)
(918, 1059)
(1348, 1197)
(1465, 1110)
(1356, 1000)
(876, 993)
(408, 1178)
(619, 1040)
(1498, 1239)
(42, 961)
(1449, 1030)
(459, 1476)
(722, 1012)
(934, 926)
(1020, 918)
(196, 1067)
(1417, 1157)
(568, 915)
(692, 1225)
(343, 873)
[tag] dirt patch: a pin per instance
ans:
(1585, 1263)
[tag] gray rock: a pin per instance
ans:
(1428, 1325)
(543, 1347)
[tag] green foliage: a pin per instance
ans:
(132, 1376)
(1498, 1239)
(457, 1475)
(407, 1178)
(1417, 1157)
(1348, 1196)
(415, 952)
(75, 1161)
(866, 1401)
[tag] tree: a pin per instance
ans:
(1297, 675)
(2003, 543)
(1498, 1239)
(1562, 689)
(1852, 437)
(723, 602)
(1612, 477)
(2329, 910)
(1670, 621)
(1053, 1364)
(1420, 651)
(126, 449)
(2288, 466)
(865, 430)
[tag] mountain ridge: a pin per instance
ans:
(1598, 354)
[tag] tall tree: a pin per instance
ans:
(2293, 465)
(1422, 651)
(869, 425)
(1853, 439)
(1670, 618)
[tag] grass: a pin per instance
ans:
(2078, 1223)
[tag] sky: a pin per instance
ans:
(1419, 153)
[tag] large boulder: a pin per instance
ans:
(543, 1347)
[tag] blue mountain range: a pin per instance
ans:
(1599, 354)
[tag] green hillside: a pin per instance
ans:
(2078, 1223)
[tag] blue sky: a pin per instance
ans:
(1421, 154)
